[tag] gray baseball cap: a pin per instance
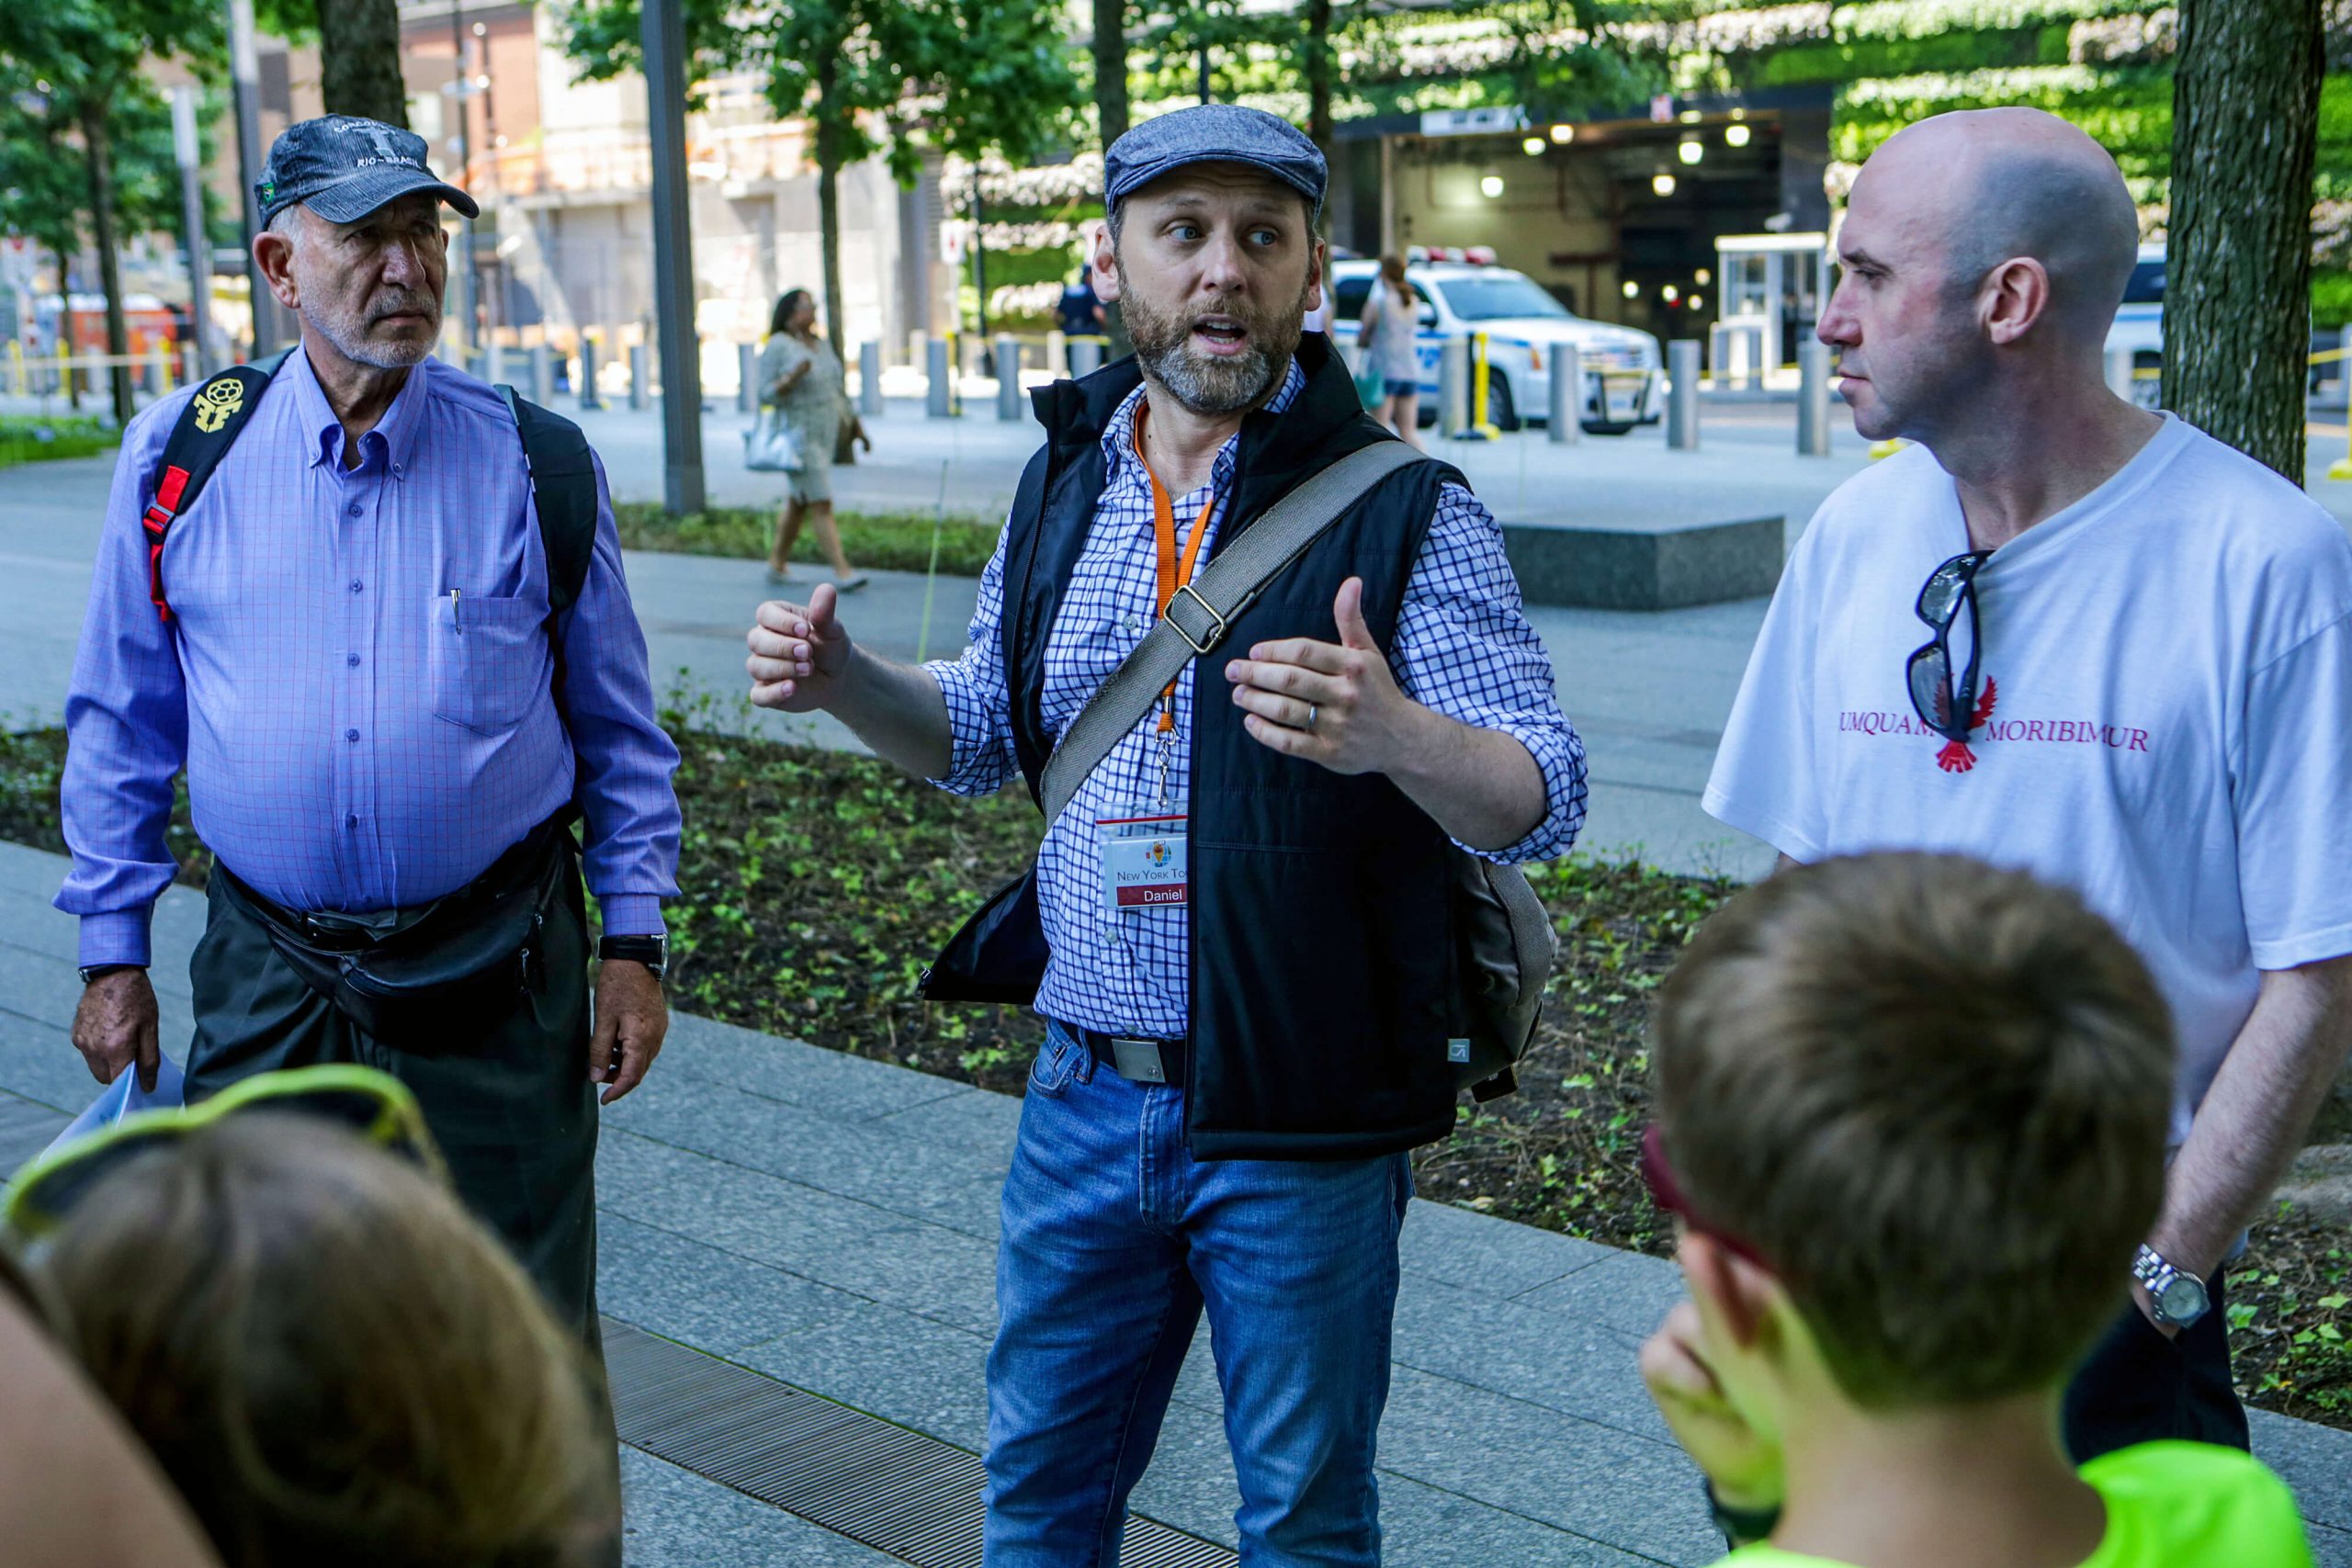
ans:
(342, 168)
(1214, 133)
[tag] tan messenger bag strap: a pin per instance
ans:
(1203, 610)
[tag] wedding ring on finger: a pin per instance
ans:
(1311, 711)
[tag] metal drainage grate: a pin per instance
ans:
(884, 1486)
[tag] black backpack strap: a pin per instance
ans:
(563, 490)
(208, 426)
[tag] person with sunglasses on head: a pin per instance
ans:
(329, 1357)
(2070, 634)
(1911, 1120)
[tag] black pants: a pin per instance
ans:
(512, 1109)
(2137, 1386)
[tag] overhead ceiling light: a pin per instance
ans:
(1670, 293)
(1662, 185)
(1690, 152)
(1563, 134)
(1492, 186)
(1739, 114)
(1697, 301)
(1632, 289)
(1702, 276)
(1531, 146)
(1735, 136)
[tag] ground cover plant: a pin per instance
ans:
(36, 438)
(817, 885)
(887, 541)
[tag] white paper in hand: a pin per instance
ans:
(123, 1096)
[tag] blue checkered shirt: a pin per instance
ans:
(355, 740)
(1462, 646)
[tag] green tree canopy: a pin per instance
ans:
(870, 76)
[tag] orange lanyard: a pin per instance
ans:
(1172, 573)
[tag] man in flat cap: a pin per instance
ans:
(1239, 927)
(395, 676)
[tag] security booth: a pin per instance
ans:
(1769, 293)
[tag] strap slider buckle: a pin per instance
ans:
(1217, 629)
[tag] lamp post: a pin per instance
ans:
(673, 271)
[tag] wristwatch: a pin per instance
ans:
(653, 952)
(92, 971)
(2179, 1298)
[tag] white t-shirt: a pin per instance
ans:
(2166, 699)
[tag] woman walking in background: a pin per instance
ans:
(801, 376)
(1385, 339)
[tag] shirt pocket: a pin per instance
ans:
(488, 661)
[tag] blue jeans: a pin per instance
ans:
(1115, 1241)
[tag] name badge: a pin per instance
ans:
(1144, 862)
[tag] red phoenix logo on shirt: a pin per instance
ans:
(1956, 758)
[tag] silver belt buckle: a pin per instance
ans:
(1138, 1061)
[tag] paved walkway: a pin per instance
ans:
(831, 1221)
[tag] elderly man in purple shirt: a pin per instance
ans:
(385, 746)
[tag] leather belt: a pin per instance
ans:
(1135, 1059)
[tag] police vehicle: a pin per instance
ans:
(1463, 293)
(2139, 328)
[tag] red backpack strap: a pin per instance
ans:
(200, 438)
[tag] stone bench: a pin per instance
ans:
(1646, 564)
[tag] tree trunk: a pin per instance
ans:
(2237, 300)
(829, 199)
(1111, 69)
(359, 60)
(1322, 64)
(98, 154)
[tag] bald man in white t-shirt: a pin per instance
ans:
(2065, 633)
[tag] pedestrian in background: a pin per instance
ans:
(802, 378)
(1384, 338)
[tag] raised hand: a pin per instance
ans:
(1336, 703)
(1743, 1469)
(797, 652)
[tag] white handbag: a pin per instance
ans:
(768, 447)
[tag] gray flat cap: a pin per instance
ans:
(1214, 133)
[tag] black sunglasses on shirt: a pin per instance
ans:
(1944, 705)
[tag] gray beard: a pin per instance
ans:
(349, 335)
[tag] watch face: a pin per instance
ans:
(2183, 1300)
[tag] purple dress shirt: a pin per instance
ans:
(355, 677)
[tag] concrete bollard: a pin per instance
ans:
(1682, 395)
(641, 385)
(939, 402)
(588, 398)
(1812, 401)
(1008, 381)
(869, 379)
(1085, 358)
(542, 375)
(493, 362)
(747, 376)
(1567, 396)
(1056, 353)
(2119, 373)
(1453, 386)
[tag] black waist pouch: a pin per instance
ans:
(437, 977)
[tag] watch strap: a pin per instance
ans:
(1741, 1526)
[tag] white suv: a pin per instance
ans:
(1525, 328)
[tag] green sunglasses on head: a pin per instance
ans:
(372, 1104)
